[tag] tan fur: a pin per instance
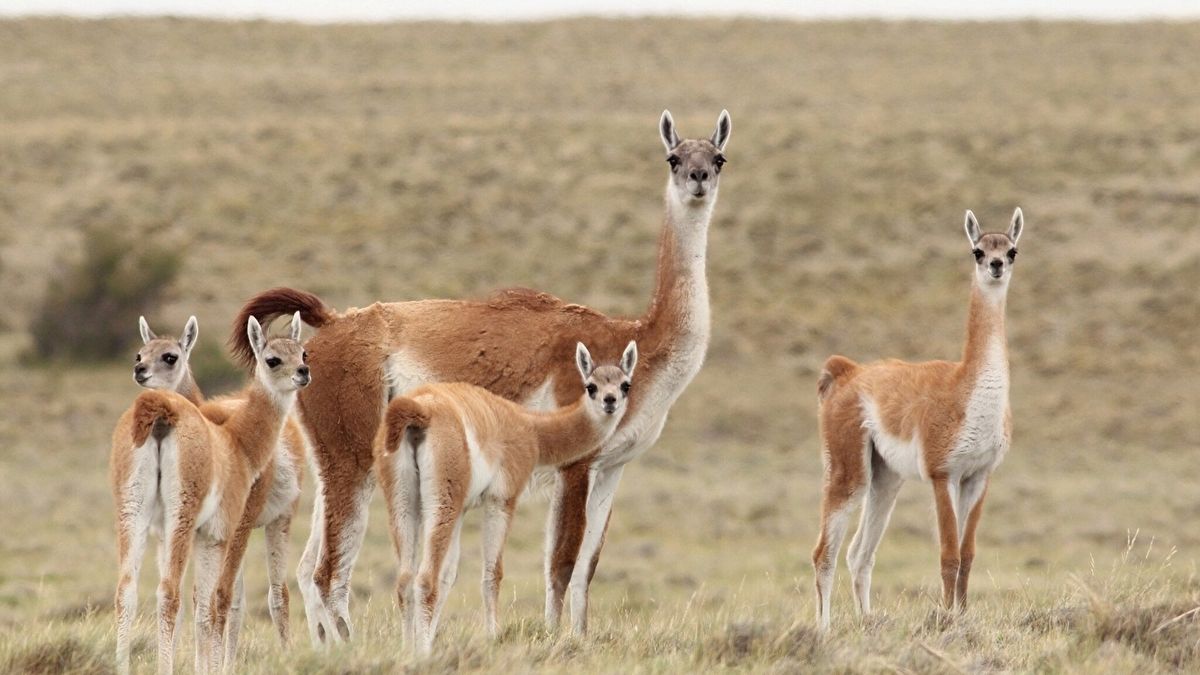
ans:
(485, 343)
(926, 402)
(152, 370)
(211, 459)
(836, 367)
(435, 426)
(161, 363)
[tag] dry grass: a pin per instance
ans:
(408, 161)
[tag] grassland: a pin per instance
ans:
(418, 160)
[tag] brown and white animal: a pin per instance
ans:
(444, 448)
(178, 473)
(369, 356)
(944, 422)
(162, 363)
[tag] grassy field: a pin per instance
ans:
(425, 160)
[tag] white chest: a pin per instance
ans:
(983, 439)
(542, 399)
(404, 371)
(285, 486)
(659, 391)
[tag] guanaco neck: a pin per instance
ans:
(985, 328)
(570, 433)
(255, 426)
(679, 306)
(188, 388)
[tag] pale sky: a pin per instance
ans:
(386, 10)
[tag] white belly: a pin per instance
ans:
(900, 454)
(485, 475)
(210, 521)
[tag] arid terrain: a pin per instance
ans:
(367, 162)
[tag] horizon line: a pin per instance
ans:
(546, 17)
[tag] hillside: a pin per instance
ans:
(405, 161)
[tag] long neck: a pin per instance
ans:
(985, 327)
(680, 300)
(570, 433)
(188, 388)
(255, 426)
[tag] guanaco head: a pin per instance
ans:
(607, 386)
(695, 163)
(280, 362)
(162, 362)
(995, 252)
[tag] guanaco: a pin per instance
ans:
(370, 355)
(446, 447)
(187, 478)
(163, 363)
(945, 422)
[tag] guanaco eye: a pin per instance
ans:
(304, 356)
(625, 388)
(978, 253)
(592, 389)
(674, 162)
(170, 359)
(719, 161)
(137, 358)
(1012, 254)
(274, 362)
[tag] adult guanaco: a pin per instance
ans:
(369, 356)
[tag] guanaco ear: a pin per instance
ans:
(721, 136)
(1018, 224)
(144, 329)
(258, 341)
(583, 360)
(629, 359)
(972, 227)
(666, 129)
(191, 331)
(296, 326)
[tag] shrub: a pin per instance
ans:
(91, 308)
(214, 371)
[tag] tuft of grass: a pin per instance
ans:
(58, 656)
(1168, 632)
(737, 643)
(1045, 620)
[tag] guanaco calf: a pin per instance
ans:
(446, 447)
(186, 477)
(163, 363)
(943, 422)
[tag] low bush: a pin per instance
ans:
(91, 307)
(214, 371)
